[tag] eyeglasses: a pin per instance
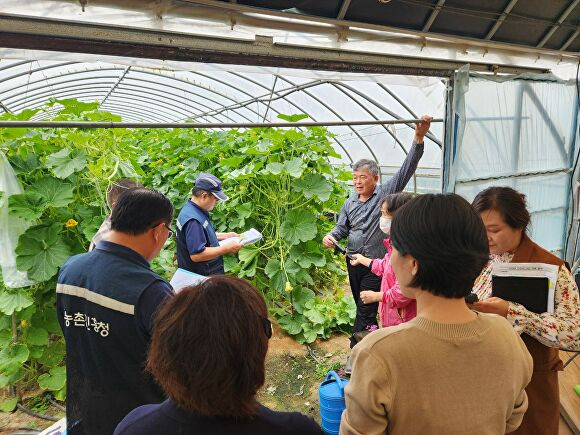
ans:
(267, 327)
(170, 231)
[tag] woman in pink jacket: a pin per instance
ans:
(394, 307)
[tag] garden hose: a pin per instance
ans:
(56, 404)
(35, 414)
(31, 412)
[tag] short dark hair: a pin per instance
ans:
(116, 188)
(140, 209)
(446, 237)
(209, 346)
(510, 203)
(395, 201)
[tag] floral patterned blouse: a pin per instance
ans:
(560, 329)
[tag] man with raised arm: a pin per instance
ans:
(359, 222)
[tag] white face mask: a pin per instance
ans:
(385, 224)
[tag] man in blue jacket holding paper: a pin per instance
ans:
(198, 247)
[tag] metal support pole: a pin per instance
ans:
(100, 124)
(517, 129)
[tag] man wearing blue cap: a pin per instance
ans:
(198, 248)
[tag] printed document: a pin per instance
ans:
(250, 236)
(184, 278)
(530, 270)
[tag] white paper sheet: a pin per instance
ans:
(250, 236)
(184, 278)
(534, 270)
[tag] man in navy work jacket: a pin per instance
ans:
(198, 248)
(106, 300)
(359, 221)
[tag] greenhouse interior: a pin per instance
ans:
(291, 108)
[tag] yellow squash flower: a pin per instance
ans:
(71, 223)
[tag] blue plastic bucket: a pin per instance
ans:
(331, 396)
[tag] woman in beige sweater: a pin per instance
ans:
(450, 370)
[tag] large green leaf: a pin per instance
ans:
(244, 211)
(41, 251)
(63, 164)
(5, 338)
(314, 185)
(23, 165)
(349, 305)
(293, 167)
(12, 357)
(291, 325)
(14, 300)
(11, 379)
(293, 118)
(53, 354)
(35, 351)
(303, 277)
(90, 226)
(261, 147)
(8, 405)
(46, 318)
(274, 168)
(308, 255)
(248, 269)
(25, 115)
(309, 333)
(314, 316)
(298, 226)
(37, 337)
(75, 107)
(54, 380)
(273, 267)
(57, 193)
(232, 161)
(300, 297)
(248, 253)
(60, 394)
(27, 206)
(292, 267)
(276, 274)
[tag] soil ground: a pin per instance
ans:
(293, 372)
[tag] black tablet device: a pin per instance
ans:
(531, 292)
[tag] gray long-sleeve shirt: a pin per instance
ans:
(359, 221)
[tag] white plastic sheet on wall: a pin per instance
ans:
(519, 133)
(10, 228)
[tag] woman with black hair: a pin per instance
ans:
(450, 370)
(506, 218)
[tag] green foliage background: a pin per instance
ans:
(279, 182)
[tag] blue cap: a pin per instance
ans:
(212, 184)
